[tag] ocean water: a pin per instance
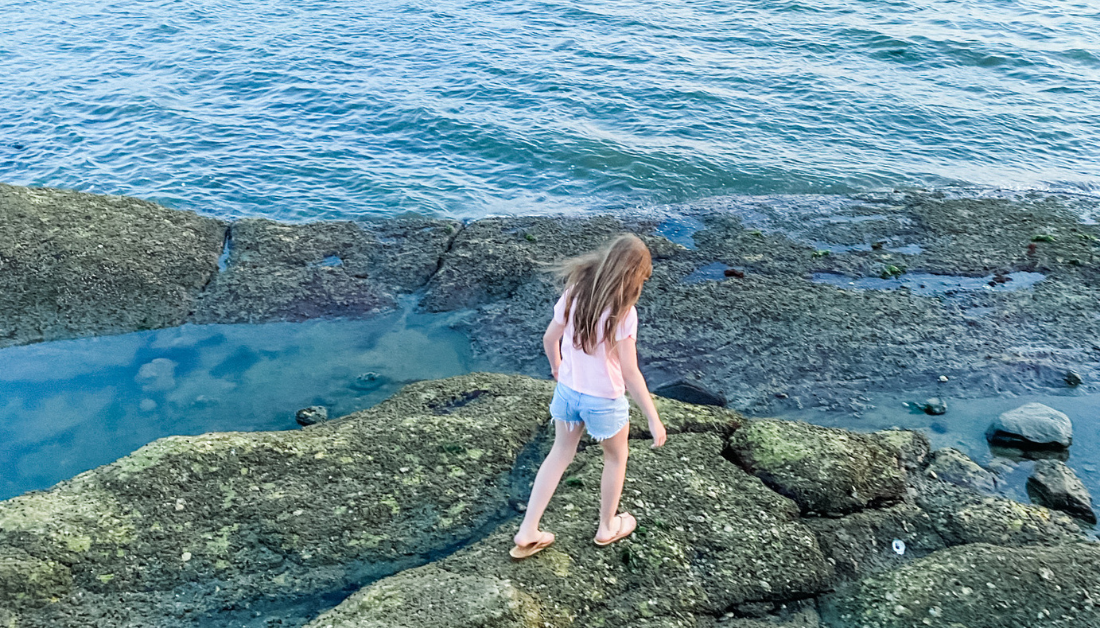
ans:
(310, 109)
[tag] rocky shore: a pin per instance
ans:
(789, 326)
(743, 523)
(770, 304)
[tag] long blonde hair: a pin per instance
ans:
(607, 280)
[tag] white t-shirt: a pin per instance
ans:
(600, 373)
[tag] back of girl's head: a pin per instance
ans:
(609, 279)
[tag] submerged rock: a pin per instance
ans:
(1054, 485)
(1031, 425)
(75, 264)
(710, 537)
(978, 586)
(954, 467)
(825, 470)
(311, 415)
(935, 406)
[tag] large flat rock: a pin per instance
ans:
(492, 257)
(710, 536)
(269, 514)
(979, 586)
(279, 271)
(75, 264)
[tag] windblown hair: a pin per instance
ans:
(607, 280)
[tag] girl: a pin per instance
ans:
(591, 347)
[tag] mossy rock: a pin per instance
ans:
(961, 516)
(279, 513)
(709, 536)
(825, 470)
(978, 586)
(28, 581)
(75, 264)
(430, 597)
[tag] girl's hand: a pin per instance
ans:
(657, 429)
(554, 372)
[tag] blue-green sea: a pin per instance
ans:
(312, 109)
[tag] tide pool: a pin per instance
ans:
(69, 406)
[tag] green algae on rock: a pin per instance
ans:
(411, 599)
(978, 586)
(710, 536)
(75, 264)
(825, 470)
(964, 516)
(270, 514)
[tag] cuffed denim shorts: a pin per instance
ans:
(603, 417)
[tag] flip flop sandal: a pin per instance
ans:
(520, 552)
(624, 530)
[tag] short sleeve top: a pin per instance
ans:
(598, 374)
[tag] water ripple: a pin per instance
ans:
(469, 107)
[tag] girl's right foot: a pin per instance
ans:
(627, 525)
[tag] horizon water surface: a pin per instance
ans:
(467, 107)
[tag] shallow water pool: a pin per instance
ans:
(69, 406)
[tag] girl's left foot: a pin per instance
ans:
(627, 524)
(530, 549)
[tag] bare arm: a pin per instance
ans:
(636, 386)
(551, 344)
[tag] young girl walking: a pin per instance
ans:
(591, 347)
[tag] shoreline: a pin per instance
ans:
(770, 340)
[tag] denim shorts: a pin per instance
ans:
(603, 417)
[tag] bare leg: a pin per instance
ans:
(611, 484)
(546, 482)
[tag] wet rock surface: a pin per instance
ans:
(954, 467)
(295, 272)
(776, 339)
(825, 470)
(75, 264)
(771, 340)
(1054, 485)
(493, 257)
(864, 543)
(978, 586)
